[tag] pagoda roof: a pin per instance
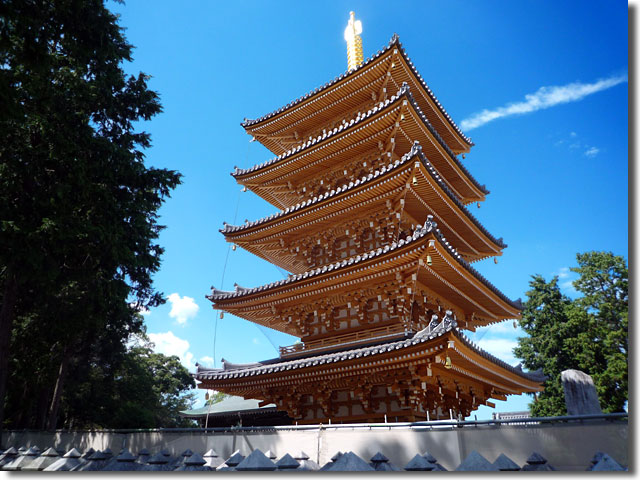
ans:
(229, 405)
(450, 167)
(445, 330)
(364, 184)
(446, 125)
(381, 256)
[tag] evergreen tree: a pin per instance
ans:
(143, 390)
(78, 205)
(604, 285)
(588, 334)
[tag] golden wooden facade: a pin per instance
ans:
(406, 380)
(377, 237)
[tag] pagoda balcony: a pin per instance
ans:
(347, 340)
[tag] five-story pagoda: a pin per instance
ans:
(376, 234)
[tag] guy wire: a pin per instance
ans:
(224, 268)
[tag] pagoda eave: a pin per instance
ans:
(447, 365)
(411, 181)
(395, 124)
(389, 66)
(436, 265)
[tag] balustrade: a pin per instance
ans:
(344, 340)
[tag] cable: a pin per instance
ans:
(282, 272)
(224, 268)
(262, 330)
(483, 334)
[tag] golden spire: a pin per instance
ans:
(354, 42)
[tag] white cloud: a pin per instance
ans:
(573, 134)
(592, 152)
(182, 308)
(256, 341)
(564, 272)
(544, 97)
(501, 348)
(168, 344)
(141, 310)
(207, 361)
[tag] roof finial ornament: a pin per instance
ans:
(354, 42)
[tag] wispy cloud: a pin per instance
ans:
(567, 286)
(592, 152)
(574, 143)
(544, 97)
(566, 277)
(182, 308)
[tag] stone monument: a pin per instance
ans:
(580, 394)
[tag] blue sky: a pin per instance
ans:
(539, 86)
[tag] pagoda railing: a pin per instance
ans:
(345, 340)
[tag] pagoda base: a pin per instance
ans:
(435, 374)
(379, 404)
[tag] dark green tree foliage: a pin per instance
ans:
(144, 390)
(78, 206)
(589, 333)
(604, 285)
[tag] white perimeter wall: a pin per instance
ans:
(567, 446)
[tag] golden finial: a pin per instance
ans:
(354, 42)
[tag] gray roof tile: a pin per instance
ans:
(607, 464)
(234, 459)
(350, 462)
(194, 459)
(381, 463)
(535, 458)
(504, 463)
(419, 463)
(430, 458)
(158, 458)
(537, 463)
(476, 463)
(63, 464)
(287, 462)
(73, 453)
(256, 461)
